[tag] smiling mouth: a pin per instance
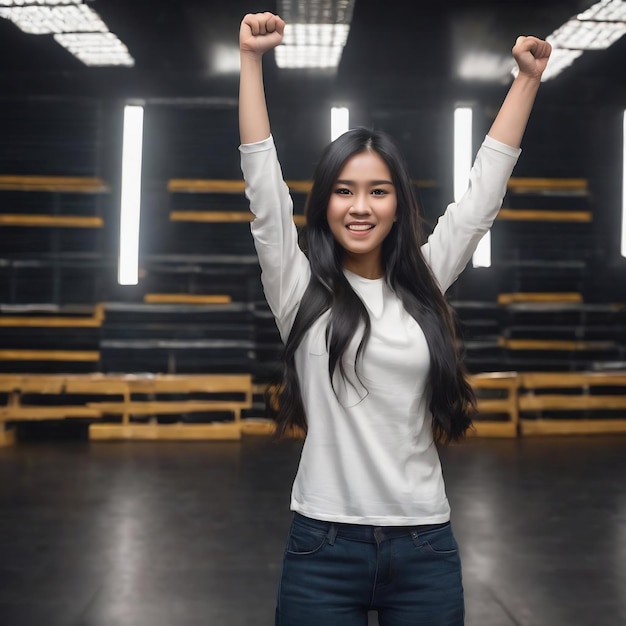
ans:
(359, 227)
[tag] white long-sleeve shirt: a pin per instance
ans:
(369, 455)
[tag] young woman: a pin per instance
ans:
(372, 370)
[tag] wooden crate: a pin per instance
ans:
(551, 398)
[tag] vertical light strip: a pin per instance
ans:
(623, 247)
(128, 270)
(463, 154)
(462, 150)
(339, 121)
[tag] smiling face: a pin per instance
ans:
(361, 212)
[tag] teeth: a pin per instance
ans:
(359, 226)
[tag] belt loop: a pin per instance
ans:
(331, 534)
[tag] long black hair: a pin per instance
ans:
(452, 400)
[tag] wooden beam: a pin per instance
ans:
(41, 413)
(494, 380)
(299, 186)
(524, 215)
(525, 185)
(553, 344)
(101, 384)
(191, 185)
(50, 322)
(222, 217)
(200, 383)
(510, 298)
(570, 403)
(186, 298)
(541, 380)
(572, 427)
(58, 221)
(9, 382)
(105, 387)
(224, 431)
(66, 184)
(257, 426)
(49, 355)
(167, 407)
(211, 216)
(35, 383)
(495, 405)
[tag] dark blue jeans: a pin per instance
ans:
(333, 574)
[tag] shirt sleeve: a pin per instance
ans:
(285, 270)
(459, 230)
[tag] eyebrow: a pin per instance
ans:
(371, 182)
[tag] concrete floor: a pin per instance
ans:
(190, 534)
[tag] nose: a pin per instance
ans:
(360, 205)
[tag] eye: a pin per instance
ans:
(342, 191)
(379, 192)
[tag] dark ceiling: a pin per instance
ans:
(396, 51)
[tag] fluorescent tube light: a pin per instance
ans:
(623, 247)
(128, 270)
(339, 121)
(463, 152)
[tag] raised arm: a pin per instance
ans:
(285, 269)
(460, 228)
(259, 33)
(531, 55)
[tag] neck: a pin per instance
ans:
(366, 268)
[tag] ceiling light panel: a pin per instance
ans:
(578, 35)
(597, 28)
(315, 32)
(317, 11)
(74, 25)
(322, 57)
(606, 11)
(96, 49)
(40, 20)
(25, 3)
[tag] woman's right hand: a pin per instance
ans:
(260, 32)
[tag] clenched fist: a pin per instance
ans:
(260, 32)
(531, 55)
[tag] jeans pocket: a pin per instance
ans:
(439, 541)
(304, 541)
